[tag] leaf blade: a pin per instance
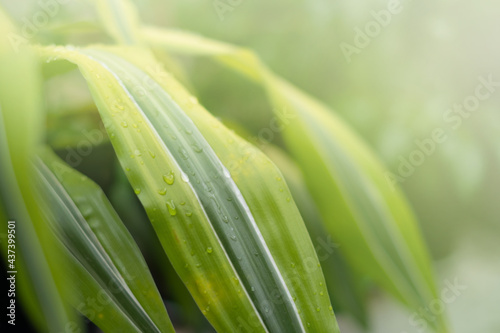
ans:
(211, 226)
(343, 174)
(104, 259)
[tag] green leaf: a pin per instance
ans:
(365, 212)
(127, 205)
(104, 261)
(121, 20)
(370, 219)
(221, 209)
(347, 289)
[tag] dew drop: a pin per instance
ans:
(169, 178)
(288, 199)
(124, 124)
(189, 214)
(209, 250)
(137, 191)
(152, 154)
(86, 211)
(171, 208)
(197, 148)
(80, 199)
(184, 177)
(318, 309)
(163, 191)
(184, 153)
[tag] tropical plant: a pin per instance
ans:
(234, 221)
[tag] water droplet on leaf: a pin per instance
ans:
(169, 178)
(171, 208)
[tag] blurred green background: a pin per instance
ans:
(393, 91)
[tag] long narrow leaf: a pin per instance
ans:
(362, 210)
(104, 261)
(347, 289)
(235, 237)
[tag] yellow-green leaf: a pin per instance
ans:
(221, 209)
(364, 212)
